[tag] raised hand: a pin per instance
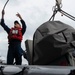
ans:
(18, 15)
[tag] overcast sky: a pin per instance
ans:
(34, 13)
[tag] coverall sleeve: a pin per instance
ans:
(5, 27)
(23, 27)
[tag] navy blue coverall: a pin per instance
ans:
(14, 48)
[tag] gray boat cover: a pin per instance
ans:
(52, 40)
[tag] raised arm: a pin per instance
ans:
(23, 23)
(6, 28)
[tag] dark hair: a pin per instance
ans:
(16, 22)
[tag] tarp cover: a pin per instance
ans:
(52, 40)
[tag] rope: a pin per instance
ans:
(67, 15)
(5, 4)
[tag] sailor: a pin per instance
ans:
(15, 36)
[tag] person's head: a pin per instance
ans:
(16, 24)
